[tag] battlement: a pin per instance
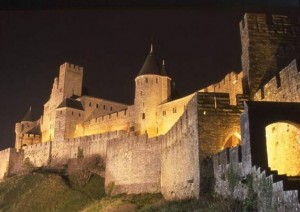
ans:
(269, 43)
(231, 84)
(115, 115)
(5, 151)
(279, 24)
(284, 87)
(26, 135)
(219, 101)
(70, 66)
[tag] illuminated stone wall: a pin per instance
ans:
(30, 139)
(170, 112)
(283, 148)
(269, 43)
(121, 120)
(38, 154)
(4, 165)
(232, 84)
(133, 165)
(66, 120)
(150, 91)
(218, 121)
(96, 107)
(59, 152)
(68, 84)
(180, 157)
(284, 88)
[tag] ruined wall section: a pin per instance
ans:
(233, 178)
(284, 88)
(269, 43)
(232, 84)
(133, 165)
(180, 173)
(218, 122)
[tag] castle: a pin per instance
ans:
(246, 124)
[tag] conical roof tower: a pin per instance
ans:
(150, 65)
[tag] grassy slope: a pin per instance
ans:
(47, 192)
(50, 192)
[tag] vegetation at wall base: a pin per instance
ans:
(52, 192)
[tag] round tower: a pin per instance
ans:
(152, 88)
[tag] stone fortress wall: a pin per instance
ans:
(269, 43)
(180, 174)
(231, 84)
(58, 153)
(283, 88)
(236, 176)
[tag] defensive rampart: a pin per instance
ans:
(234, 178)
(180, 175)
(284, 88)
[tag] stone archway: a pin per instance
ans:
(283, 147)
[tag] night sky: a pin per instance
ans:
(200, 45)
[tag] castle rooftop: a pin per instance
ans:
(71, 103)
(151, 66)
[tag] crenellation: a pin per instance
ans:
(231, 85)
(289, 86)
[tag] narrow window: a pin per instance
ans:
(60, 112)
(156, 80)
(110, 108)
(104, 107)
(146, 80)
(141, 93)
(143, 115)
(164, 113)
(79, 114)
(97, 105)
(90, 104)
(240, 153)
(72, 113)
(174, 110)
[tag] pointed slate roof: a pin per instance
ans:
(36, 130)
(71, 103)
(28, 116)
(150, 65)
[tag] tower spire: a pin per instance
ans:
(151, 48)
(28, 116)
(163, 68)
